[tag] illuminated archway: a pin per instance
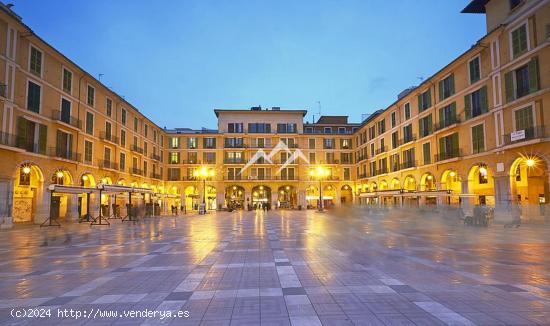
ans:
(107, 180)
(409, 184)
(346, 194)
(312, 196)
(261, 195)
(234, 197)
(427, 182)
(529, 180)
(87, 180)
(192, 198)
(373, 186)
(287, 196)
(62, 177)
(383, 185)
(395, 185)
(481, 183)
(28, 187)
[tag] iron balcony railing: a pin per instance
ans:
(155, 157)
(408, 164)
(137, 149)
(106, 164)
(64, 154)
(108, 137)
(381, 150)
(154, 175)
(529, 134)
(57, 115)
(234, 160)
(137, 171)
(446, 123)
(448, 155)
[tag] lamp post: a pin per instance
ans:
(203, 173)
(319, 173)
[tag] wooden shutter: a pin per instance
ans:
(452, 83)
(440, 84)
(59, 143)
(22, 126)
(533, 75)
(420, 103)
(70, 145)
(441, 148)
(454, 142)
(453, 112)
(467, 106)
(429, 119)
(483, 99)
(429, 98)
(421, 127)
(509, 86)
(42, 138)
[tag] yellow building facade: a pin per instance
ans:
(476, 132)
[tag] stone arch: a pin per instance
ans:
(529, 180)
(28, 193)
(481, 183)
(395, 184)
(346, 194)
(410, 183)
(427, 182)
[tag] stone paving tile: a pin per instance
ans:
(347, 267)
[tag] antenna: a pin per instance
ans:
(99, 76)
(420, 78)
(319, 105)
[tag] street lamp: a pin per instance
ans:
(203, 173)
(319, 173)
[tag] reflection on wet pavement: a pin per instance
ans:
(342, 267)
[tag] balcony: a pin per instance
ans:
(381, 150)
(136, 171)
(67, 119)
(362, 175)
(106, 164)
(154, 175)
(8, 139)
(155, 157)
(137, 149)
(408, 164)
(446, 123)
(29, 146)
(448, 155)
(234, 160)
(64, 154)
(234, 177)
(406, 140)
(233, 145)
(528, 134)
(108, 137)
(174, 177)
(382, 171)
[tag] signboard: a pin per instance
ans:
(517, 135)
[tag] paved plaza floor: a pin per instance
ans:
(341, 267)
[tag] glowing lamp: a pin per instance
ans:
(59, 174)
(452, 174)
(84, 177)
(530, 162)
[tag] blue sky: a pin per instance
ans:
(178, 60)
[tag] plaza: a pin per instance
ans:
(350, 266)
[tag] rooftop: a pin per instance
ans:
(258, 109)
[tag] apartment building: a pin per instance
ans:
(476, 132)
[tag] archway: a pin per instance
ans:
(287, 197)
(529, 181)
(346, 195)
(383, 185)
(450, 181)
(107, 180)
(60, 202)
(210, 197)
(481, 183)
(261, 195)
(395, 185)
(234, 197)
(329, 194)
(86, 180)
(427, 182)
(409, 186)
(28, 190)
(121, 182)
(312, 197)
(191, 198)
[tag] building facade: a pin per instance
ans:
(476, 132)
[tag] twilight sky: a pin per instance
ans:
(178, 60)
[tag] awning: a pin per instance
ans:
(317, 197)
(70, 189)
(119, 189)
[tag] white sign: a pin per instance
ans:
(517, 135)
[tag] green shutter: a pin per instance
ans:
(22, 126)
(420, 103)
(429, 98)
(533, 75)
(483, 99)
(70, 146)
(441, 147)
(453, 112)
(430, 127)
(509, 85)
(441, 116)
(452, 83)
(421, 128)
(454, 142)
(59, 142)
(467, 107)
(441, 97)
(42, 138)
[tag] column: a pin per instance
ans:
(220, 198)
(302, 198)
(72, 208)
(43, 201)
(466, 201)
(94, 204)
(247, 199)
(503, 198)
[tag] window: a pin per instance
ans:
(91, 96)
(311, 158)
(448, 147)
(35, 65)
(88, 151)
(192, 143)
(347, 174)
(65, 111)
(209, 142)
(372, 133)
(327, 130)
(476, 103)
(123, 137)
(136, 124)
(286, 128)
(524, 121)
(234, 142)
(382, 145)
(123, 117)
(393, 119)
(408, 158)
(519, 40)
(174, 142)
(381, 127)
(107, 155)
(174, 158)
(407, 134)
(235, 127)
(425, 126)
(122, 163)
(67, 81)
(63, 144)
(447, 115)
(394, 140)
(209, 157)
(192, 157)
(308, 130)
(478, 139)
(329, 157)
(372, 151)
(341, 130)
(259, 128)
(426, 153)
(446, 87)
(475, 70)
(522, 81)
(145, 148)
(89, 123)
(345, 143)
(424, 100)
(407, 111)
(145, 130)
(144, 168)
(33, 97)
(328, 143)
(108, 107)
(108, 130)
